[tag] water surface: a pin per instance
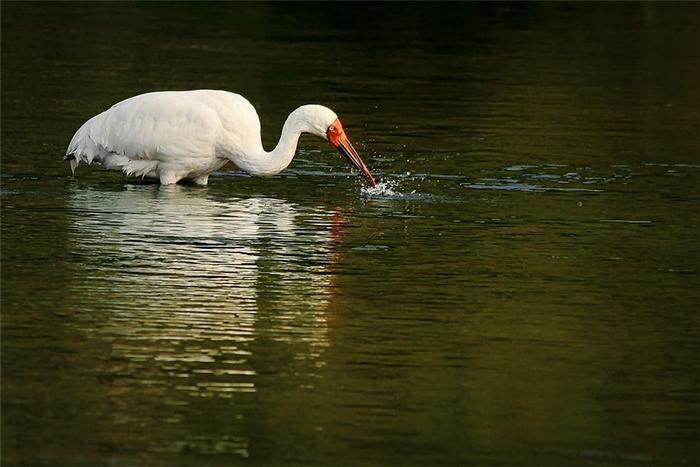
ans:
(522, 287)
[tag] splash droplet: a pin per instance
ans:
(381, 190)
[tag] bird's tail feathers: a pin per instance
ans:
(83, 148)
(73, 162)
(139, 167)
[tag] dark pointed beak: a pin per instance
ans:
(346, 149)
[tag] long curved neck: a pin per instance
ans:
(287, 144)
(275, 161)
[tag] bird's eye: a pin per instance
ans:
(331, 128)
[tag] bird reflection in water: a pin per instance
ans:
(191, 290)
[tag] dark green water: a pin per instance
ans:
(524, 290)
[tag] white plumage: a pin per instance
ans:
(175, 135)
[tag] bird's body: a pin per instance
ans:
(175, 135)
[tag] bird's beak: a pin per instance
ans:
(346, 149)
(337, 137)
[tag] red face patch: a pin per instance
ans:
(335, 132)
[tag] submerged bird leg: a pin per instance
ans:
(168, 178)
(201, 180)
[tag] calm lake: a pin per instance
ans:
(523, 287)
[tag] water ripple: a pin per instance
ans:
(174, 266)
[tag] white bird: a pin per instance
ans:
(176, 135)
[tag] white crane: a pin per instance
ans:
(175, 135)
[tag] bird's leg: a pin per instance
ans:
(168, 178)
(201, 180)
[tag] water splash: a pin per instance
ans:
(383, 189)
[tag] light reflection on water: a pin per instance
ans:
(181, 282)
(172, 265)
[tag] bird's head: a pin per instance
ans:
(323, 122)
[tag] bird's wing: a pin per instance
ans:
(162, 126)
